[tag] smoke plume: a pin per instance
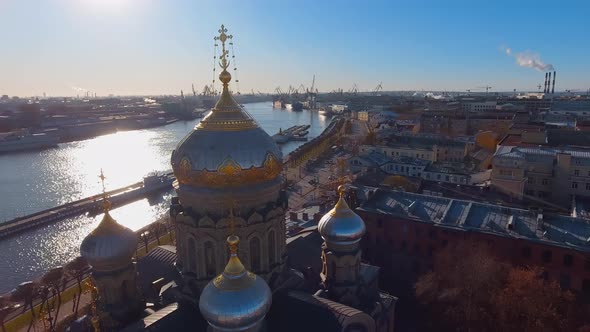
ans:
(529, 59)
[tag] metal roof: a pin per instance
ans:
(550, 229)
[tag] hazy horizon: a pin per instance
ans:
(149, 47)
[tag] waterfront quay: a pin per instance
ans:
(150, 184)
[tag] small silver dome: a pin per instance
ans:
(237, 299)
(110, 246)
(341, 226)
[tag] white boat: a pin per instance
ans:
(19, 141)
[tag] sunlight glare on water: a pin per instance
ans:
(36, 180)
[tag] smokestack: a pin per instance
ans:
(545, 85)
(549, 83)
(553, 88)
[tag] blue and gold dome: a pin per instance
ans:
(236, 300)
(110, 246)
(227, 149)
(341, 227)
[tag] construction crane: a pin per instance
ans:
(539, 87)
(208, 90)
(378, 88)
(354, 89)
(485, 87)
(194, 92)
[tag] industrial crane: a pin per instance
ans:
(378, 89)
(485, 87)
(354, 89)
(194, 92)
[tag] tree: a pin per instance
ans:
(529, 303)
(6, 307)
(469, 290)
(75, 270)
(25, 293)
(53, 280)
(459, 290)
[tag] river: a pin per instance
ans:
(33, 181)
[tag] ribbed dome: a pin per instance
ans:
(110, 246)
(237, 299)
(226, 149)
(341, 226)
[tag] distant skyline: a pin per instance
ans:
(153, 47)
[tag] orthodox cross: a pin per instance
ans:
(223, 37)
(106, 205)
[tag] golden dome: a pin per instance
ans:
(110, 246)
(236, 299)
(227, 148)
(341, 226)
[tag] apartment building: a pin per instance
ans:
(549, 173)
(405, 230)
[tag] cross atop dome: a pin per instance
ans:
(223, 37)
(106, 204)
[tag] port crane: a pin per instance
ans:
(378, 89)
(208, 90)
(485, 87)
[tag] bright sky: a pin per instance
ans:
(127, 47)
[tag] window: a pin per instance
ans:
(526, 252)
(210, 259)
(255, 254)
(577, 172)
(447, 178)
(271, 247)
(546, 256)
(574, 185)
(432, 234)
(545, 182)
(565, 281)
(568, 260)
(192, 255)
(531, 181)
(438, 176)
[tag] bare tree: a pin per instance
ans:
(6, 307)
(75, 270)
(25, 293)
(53, 279)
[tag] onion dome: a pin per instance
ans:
(227, 149)
(341, 227)
(110, 246)
(237, 299)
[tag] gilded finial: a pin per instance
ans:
(224, 76)
(341, 206)
(106, 204)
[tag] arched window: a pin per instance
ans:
(192, 255)
(210, 268)
(272, 255)
(124, 291)
(255, 254)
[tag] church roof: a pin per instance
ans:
(158, 263)
(174, 317)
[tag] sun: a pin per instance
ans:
(113, 6)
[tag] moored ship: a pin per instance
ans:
(22, 141)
